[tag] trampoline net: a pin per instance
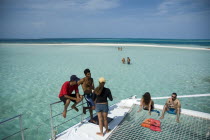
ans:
(189, 128)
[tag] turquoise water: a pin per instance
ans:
(32, 75)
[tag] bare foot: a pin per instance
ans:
(107, 131)
(92, 121)
(64, 114)
(75, 108)
(100, 134)
(177, 120)
(161, 117)
(139, 110)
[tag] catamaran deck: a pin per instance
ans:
(126, 125)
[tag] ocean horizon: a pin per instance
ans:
(201, 42)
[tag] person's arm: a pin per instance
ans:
(93, 87)
(69, 97)
(167, 102)
(110, 95)
(179, 104)
(94, 98)
(150, 104)
(141, 105)
(77, 92)
(80, 82)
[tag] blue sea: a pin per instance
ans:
(32, 72)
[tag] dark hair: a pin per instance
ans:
(86, 71)
(147, 98)
(174, 94)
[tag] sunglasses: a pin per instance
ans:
(173, 96)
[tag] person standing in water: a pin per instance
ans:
(128, 60)
(102, 108)
(87, 86)
(123, 60)
(172, 106)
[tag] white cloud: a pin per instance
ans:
(79, 5)
(101, 4)
(82, 5)
(178, 7)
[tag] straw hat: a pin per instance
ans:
(101, 80)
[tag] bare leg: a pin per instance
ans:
(163, 112)
(65, 107)
(100, 119)
(91, 115)
(78, 100)
(106, 122)
(85, 108)
(74, 107)
(177, 114)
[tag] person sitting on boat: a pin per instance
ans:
(172, 106)
(146, 103)
(123, 60)
(87, 86)
(102, 108)
(66, 94)
(128, 60)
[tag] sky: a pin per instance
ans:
(174, 19)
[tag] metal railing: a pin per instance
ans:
(20, 124)
(53, 132)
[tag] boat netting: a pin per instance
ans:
(189, 128)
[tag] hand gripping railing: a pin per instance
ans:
(20, 123)
(53, 132)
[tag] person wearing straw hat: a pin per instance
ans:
(102, 108)
(66, 94)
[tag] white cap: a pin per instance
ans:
(101, 80)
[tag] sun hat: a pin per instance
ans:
(101, 80)
(74, 78)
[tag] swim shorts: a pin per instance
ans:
(171, 111)
(88, 98)
(63, 98)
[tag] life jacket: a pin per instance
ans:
(152, 124)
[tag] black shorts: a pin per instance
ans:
(63, 98)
